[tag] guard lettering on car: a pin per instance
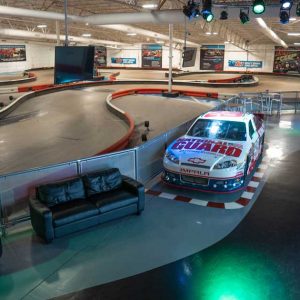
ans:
(226, 148)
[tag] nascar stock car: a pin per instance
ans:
(217, 153)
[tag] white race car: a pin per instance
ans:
(217, 153)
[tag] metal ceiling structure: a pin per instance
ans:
(197, 30)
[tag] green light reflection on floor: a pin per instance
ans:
(239, 274)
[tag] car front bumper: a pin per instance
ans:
(209, 184)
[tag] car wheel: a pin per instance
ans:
(246, 168)
(262, 144)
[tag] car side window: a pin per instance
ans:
(251, 129)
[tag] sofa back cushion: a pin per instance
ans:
(60, 192)
(102, 181)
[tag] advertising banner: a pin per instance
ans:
(287, 60)
(151, 56)
(9, 53)
(123, 61)
(100, 57)
(189, 57)
(245, 64)
(212, 57)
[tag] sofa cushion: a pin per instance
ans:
(66, 213)
(51, 194)
(74, 189)
(103, 181)
(113, 199)
(60, 192)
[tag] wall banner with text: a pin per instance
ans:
(9, 53)
(151, 56)
(212, 57)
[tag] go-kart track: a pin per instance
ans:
(69, 125)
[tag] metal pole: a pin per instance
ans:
(57, 29)
(66, 22)
(170, 56)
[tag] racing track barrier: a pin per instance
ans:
(30, 77)
(142, 163)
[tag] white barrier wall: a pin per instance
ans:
(264, 53)
(37, 56)
(131, 51)
(135, 51)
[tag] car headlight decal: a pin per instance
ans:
(172, 157)
(226, 164)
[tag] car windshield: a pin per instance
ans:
(216, 129)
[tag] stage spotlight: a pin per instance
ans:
(208, 16)
(244, 17)
(206, 10)
(189, 9)
(258, 7)
(286, 4)
(284, 16)
(298, 10)
(197, 13)
(224, 15)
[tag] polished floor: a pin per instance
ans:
(258, 260)
(175, 250)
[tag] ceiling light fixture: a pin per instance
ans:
(206, 12)
(149, 6)
(286, 4)
(293, 19)
(224, 15)
(215, 33)
(297, 44)
(131, 34)
(86, 35)
(42, 26)
(294, 33)
(244, 16)
(258, 7)
(284, 16)
(190, 8)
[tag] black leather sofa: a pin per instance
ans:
(64, 207)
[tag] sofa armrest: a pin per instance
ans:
(136, 188)
(41, 218)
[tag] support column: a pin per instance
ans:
(170, 93)
(170, 57)
(57, 29)
(66, 23)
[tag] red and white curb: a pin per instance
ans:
(243, 201)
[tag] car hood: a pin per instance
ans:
(207, 152)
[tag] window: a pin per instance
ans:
(217, 129)
(251, 129)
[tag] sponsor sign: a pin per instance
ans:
(151, 56)
(245, 64)
(123, 61)
(287, 60)
(10, 53)
(212, 57)
(212, 146)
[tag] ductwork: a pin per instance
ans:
(23, 34)
(160, 17)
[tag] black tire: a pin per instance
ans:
(246, 169)
(262, 145)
